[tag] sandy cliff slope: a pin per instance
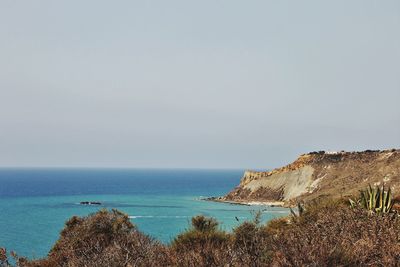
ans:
(320, 174)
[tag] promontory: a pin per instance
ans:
(319, 175)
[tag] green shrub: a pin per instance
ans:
(202, 245)
(204, 230)
(203, 224)
(374, 200)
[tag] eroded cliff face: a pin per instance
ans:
(320, 174)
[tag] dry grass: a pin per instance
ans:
(331, 234)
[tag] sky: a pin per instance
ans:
(195, 84)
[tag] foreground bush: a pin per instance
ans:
(103, 239)
(202, 245)
(332, 234)
(325, 234)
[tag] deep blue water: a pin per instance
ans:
(35, 203)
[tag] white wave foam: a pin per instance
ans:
(175, 216)
(275, 211)
(153, 216)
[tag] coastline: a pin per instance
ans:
(247, 203)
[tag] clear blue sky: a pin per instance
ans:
(244, 84)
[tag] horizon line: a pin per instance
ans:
(129, 168)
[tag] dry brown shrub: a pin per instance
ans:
(104, 239)
(276, 226)
(3, 257)
(251, 244)
(332, 234)
(202, 245)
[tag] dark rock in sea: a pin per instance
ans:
(90, 203)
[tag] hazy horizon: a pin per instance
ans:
(182, 84)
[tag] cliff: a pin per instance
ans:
(320, 174)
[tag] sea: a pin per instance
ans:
(35, 203)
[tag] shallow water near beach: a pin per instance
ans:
(35, 203)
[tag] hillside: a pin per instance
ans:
(320, 174)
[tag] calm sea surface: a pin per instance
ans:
(35, 203)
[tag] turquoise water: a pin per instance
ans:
(35, 203)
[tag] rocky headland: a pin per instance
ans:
(319, 175)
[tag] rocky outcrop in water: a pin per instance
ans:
(90, 203)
